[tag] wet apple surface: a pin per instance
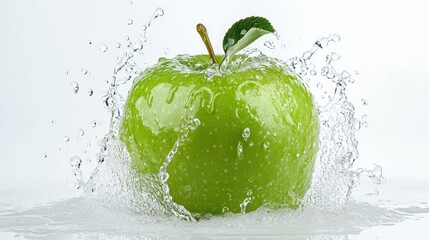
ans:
(251, 132)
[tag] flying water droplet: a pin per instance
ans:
(269, 45)
(364, 102)
(90, 92)
(94, 124)
(333, 57)
(167, 51)
(334, 38)
(319, 85)
(137, 46)
(103, 48)
(322, 43)
(75, 86)
(376, 191)
(130, 21)
(75, 163)
(66, 72)
(84, 71)
(81, 132)
(66, 139)
(159, 12)
(108, 101)
(45, 155)
(118, 45)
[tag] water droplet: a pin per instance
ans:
(159, 12)
(249, 192)
(89, 42)
(298, 155)
(90, 92)
(225, 210)
(333, 57)
(266, 145)
(239, 149)
(108, 101)
(194, 123)
(137, 46)
(45, 155)
(376, 191)
(167, 51)
(357, 72)
(118, 45)
(130, 21)
(322, 43)
(81, 132)
(66, 72)
(364, 117)
(75, 86)
(319, 85)
(127, 38)
(66, 139)
(84, 71)
(75, 163)
(364, 102)
(244, 204)
(103, 48)
(251, 144)
(334, 37)
(94, 124)
(51, 120)
(269, 44)
(345, 75)
(246, 134)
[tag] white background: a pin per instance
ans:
(387, 41)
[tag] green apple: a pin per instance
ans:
(251, 132)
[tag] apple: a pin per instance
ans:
(247, 134)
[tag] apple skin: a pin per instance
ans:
(216, 168)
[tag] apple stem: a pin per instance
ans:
(201, 29)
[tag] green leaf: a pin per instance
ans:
(244, 32)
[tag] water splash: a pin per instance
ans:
(334, 178)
